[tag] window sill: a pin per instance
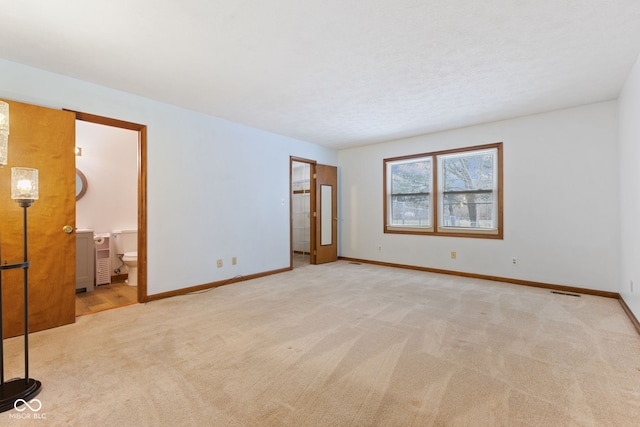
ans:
(446, 232)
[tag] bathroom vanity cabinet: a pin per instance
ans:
(85, 260)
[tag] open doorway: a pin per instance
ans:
(301, 213)
(314, 212)
(127, 176)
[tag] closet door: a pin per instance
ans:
(44, 139)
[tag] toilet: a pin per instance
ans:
(126, 248)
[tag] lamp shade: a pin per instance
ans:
(4, 132)
(24, 184)
(4, 148)
(4, 117)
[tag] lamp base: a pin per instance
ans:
(18, 391)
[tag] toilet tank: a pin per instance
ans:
(125, 241)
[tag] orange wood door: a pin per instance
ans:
(44, 139)
(326, 214)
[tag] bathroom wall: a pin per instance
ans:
(109, 161)
(215, 189)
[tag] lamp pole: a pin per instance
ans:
(17, 391)
(24, 190)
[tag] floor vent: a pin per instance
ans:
(355, 263)
(565, 293)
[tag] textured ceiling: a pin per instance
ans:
(338, 73)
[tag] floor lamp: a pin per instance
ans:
(24, 190)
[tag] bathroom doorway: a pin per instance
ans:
(110, 156)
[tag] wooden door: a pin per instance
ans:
(326, 214)
(44, 139)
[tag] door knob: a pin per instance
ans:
(67, 229)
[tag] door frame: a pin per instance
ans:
(314, 214)
(142, 190)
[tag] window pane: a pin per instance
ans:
(468, 189)
(410, 193)
(469, 171)
(411, 177)
(410, 210)
(468, 210)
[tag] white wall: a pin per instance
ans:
(215, 189)
(561, 201)
(110, 162)
(629, 105)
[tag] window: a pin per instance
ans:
(410, 193)
(450, 193)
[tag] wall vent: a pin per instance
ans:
(565, 293)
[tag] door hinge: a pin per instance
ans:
(315, 175)
(315, 214)
(315, 253)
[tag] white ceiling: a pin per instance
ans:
(338, 73)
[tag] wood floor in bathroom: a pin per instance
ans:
(105, 297)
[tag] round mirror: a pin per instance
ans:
(81, 184)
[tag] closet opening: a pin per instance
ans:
(301, 212)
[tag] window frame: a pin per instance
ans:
(437, 196)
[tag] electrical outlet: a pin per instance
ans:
(454, 255)
(234, 261)
(219, 263)
(379, 248)
(514, 261)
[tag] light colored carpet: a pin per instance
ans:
(342, 345)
